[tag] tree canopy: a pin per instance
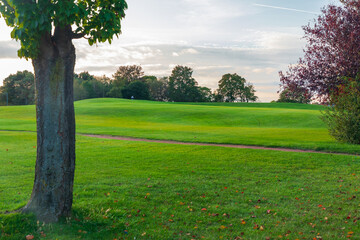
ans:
(127, 74)
(99, 21)
(332, 51)
(342, 116)
(20, 88)
(182, 86)
(233, 87)
(299, 95)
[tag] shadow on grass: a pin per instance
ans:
(17, 226)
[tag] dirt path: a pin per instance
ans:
(211, 144)
(201, 144)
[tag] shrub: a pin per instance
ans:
(343, 114)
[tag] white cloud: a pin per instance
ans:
(185, 51)
(278, 40)
(12, 65)
(8, 49)
(5, 31)
(214, 37)
(211, 67)
(213, 10)
(189, 51)
(268, 70)
(259, 65)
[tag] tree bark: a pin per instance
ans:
(52, 193)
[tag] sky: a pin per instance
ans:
(253, 38)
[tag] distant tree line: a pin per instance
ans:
(130, 82)
(18, 89)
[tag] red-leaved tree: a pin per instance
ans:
(332, 51)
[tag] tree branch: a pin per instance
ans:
(77, 35)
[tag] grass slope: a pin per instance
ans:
(266, 124)
(128, 190)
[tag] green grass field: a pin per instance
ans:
(265, 124)
(138, 190)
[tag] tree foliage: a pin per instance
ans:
(343, 114)
(127, 74)
(294, 96)
(332, 51)
(123, 77)
(205, 94)
(182, 87)
(249, 94)
(19, 88)
(158, 88)
(99, 21)
(88, 86)
(233, 87)
(136, 90)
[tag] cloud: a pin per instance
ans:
(12, 65)
(8, 49)
(211, 67)
(213, 10)
(258, 63)
(279, 40)
(185, 51)
(268, 70)
(286, 9)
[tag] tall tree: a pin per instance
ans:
(182, 86)
(158, 88)
(332, 51)
(249, 93)
(128, 74)
(296, 95)
(123, 77)
(45, 30)
(205, 94)
(105, 85)
(20, 88)
(136, 90)
(233, 87)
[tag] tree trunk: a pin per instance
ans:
(52, 193)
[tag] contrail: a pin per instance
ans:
(283, 8)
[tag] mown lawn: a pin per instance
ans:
(128, 190)
(266, 124)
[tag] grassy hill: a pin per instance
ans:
(266, 124)
(128, 190)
